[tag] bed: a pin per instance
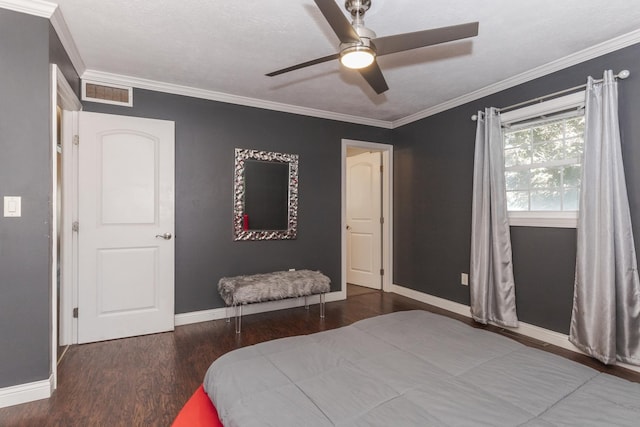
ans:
(412, 368)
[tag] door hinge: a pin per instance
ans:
(76, 140)
(381, 169)
(382, 271)
(75, 226)
(381, 220)
(75, 313)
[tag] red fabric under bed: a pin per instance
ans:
(198, 412)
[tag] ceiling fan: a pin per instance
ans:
(359, 46)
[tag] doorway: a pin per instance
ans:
(364, 218)
(151, 143)
(367, 216)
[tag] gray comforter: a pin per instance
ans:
(413, 368)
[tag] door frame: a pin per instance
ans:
(387, 210)
(69, 238)
(62, 95)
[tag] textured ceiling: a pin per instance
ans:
(227, 46)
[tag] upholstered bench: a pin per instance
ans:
(241, 290)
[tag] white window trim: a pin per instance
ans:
(553, 219)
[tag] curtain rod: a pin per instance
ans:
(621, 75)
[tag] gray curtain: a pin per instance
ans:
(605, 322)
(491, 286)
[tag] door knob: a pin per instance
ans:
(165, 236)
(348, 227)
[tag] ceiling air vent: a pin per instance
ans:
(107, 94)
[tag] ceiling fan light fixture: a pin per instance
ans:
(359, 45)
(357, 57)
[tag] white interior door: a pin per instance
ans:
(126, 227)
(364, 229)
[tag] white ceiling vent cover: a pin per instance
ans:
(107, 93)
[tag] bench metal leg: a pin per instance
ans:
(238, 318)
(238, 311)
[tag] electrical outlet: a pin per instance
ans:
(464, 279)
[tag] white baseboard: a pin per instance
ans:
(552, 337)
(221, 313)
(445, 304)
(23, 393)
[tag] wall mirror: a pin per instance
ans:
(265, 195)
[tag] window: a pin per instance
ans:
(543, 155)
(542, 165)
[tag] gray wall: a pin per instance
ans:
(28, 45)
(24, 171)
(207, 133)
(433, 180)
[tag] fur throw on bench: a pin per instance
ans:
(272, 286)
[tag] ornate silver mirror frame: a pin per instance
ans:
(239, 184)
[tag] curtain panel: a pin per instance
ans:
(491, 287)
(605, 321)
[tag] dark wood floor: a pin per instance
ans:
(355, 290)
(144, 381)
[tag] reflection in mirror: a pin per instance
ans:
(266, 195)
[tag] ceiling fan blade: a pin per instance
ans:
(401, 42)
(304, 64)
(337, 20)
(373, 75)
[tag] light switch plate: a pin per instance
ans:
(464, 279)
(12, 206)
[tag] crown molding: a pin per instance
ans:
(51, 11)
(60, 25)
(140, 83)
(40, 8)
(551, 67)
(575, 58)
